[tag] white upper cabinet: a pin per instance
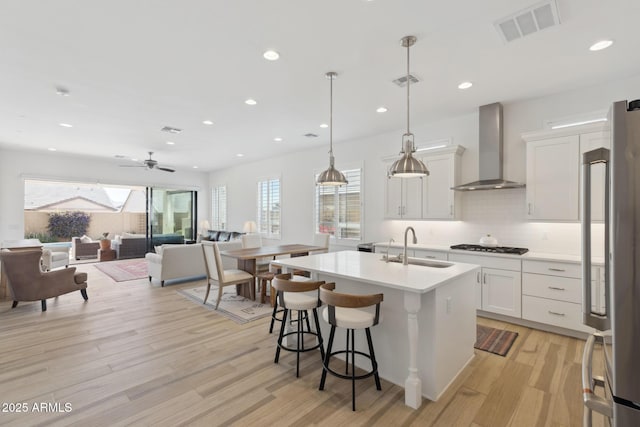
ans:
(403, 198)
(554, 172)
(439, 200)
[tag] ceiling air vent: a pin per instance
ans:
(310, 135)
(402, 81)
(170, 129)
(528, 21)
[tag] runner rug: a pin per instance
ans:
(122, 271)
(497, 341)
(237, 308)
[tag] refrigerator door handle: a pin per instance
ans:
(591, 401)
(601, 322)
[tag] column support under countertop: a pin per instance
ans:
(413, 383)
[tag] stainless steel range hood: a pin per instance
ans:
(490, 152)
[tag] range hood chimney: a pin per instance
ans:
(490, 152)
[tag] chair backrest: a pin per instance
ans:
(251, 241)
(21, 266)
(286, 283)
(213, 261)
(321, 239)
(335, 299)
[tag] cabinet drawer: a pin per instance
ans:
(419, 253)
(564, 269)
(559, 313)
(487, 261)
(552, 287)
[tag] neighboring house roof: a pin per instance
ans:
(40, 195)
(136, 202)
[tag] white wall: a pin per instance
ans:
(499, 212)
(16, 165)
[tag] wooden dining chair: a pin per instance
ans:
(217, 275)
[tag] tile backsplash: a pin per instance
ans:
(502, 214)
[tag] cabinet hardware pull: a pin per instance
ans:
(556, 288)
(484, 278)
(556, 314)
(529, 209)
(430, 256)
(398, 210)
(478, 277)
(556, 269)
(451, 210)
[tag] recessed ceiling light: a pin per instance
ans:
(194, 167)
(62, 91)
(51, 149)
(171, 143)
(465, 85)
(250, 101)
(271, 55)
(602, 44)
(65, 125)
(277, 139)
(239, 155)
(207, 122)
(324, 125)
(381, 110)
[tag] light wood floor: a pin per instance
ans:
(144, 355)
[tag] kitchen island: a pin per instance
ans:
(428, 316)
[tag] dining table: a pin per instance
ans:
(248, 257)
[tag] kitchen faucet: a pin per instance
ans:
(405, 259)
(386, 259)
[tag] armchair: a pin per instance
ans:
(54, 257)
(85, 249)
(28, 283)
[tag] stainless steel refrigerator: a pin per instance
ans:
(618, 317)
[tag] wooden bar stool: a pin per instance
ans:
(346, 311)
(298, 295)
(274, 301)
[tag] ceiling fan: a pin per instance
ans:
(149, 164)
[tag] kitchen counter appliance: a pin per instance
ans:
(617, 169)
(492, 249)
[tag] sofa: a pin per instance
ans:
(184, 261)
(220, 236)
(131, 245)
(85, 247)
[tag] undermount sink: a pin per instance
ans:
(420, 261)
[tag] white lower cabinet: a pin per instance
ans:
(498, 285)
(439, 255)
(552, 294)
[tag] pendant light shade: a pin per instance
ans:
(408, 166)
(331, 176)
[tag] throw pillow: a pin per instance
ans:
(85, 239)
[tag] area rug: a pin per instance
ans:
(122, 271)
(497, 341)
(237, 308)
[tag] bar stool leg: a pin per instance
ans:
(275, 311)
(315, 317)
(284, 318)
(353, 371)
(298, 339)
(374, 363)
(346, 359)
(326, 358)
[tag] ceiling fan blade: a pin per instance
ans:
(165, 169)
(132, 166)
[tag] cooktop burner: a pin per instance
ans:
(498, 249)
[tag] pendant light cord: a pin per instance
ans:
(331, 115)
(408, 84)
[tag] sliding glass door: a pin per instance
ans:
(171, 216)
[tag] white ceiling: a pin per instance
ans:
(132, 67)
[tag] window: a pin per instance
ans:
(219, 208)
(269, 207)
(339, 209)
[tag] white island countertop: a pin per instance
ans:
(370, 268)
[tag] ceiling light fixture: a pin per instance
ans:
(171, 143)
(277, 139)
(465, 85)
(602, 44)
(250, 101)
(381, 110)
(324, 125)
(52, 149)
(408, 166)
(331, 176)
(62, 91)
(194, 167)
(207, 122)
(239, 155)
(271, 55)
(65, 125)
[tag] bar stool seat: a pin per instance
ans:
(300, 301)
(276, 309)
(347, 311)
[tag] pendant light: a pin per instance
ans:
(408, 166)
(331, 176)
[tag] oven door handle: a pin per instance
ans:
(591, 401)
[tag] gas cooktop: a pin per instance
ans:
(497, 249)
